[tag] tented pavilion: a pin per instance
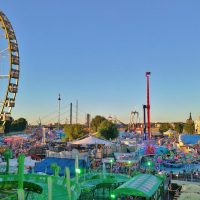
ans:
(169, 133)
(92, 140)
(146, 186)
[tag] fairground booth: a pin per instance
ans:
(141, 186)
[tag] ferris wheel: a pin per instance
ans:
(9, 67)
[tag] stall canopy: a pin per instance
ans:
(189, 139)
(169, 133)
(92, 140)
(143, 185)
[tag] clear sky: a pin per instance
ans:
(98, 52)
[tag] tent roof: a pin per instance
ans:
(92, 140)
(144, 185)
(189, 139)
(169, 132)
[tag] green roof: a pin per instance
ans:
(144, 185)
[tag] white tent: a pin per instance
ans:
(92, 140)
(169, 132)
(29, 162)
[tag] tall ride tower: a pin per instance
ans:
(148, 106)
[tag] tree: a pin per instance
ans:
(179, 127)
(108, 130)
(189, 127)
(18, 125)
(7, 154)
(96, 121)
(14, 125)
(74, 131)
(165, 127)
(7, 126)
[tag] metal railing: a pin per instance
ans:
(190, 177)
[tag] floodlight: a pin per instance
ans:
(149, 163)
(78, 171)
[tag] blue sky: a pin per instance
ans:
(98, 52)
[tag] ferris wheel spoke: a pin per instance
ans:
(1, 52)
(4, 53)
(4, 76)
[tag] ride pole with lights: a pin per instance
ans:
(59, 99)
(148, 106)
(144, 126)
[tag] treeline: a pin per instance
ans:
(15, 125)
(74, 131)
(106, 129)
(188, 127)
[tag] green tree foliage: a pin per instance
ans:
(74, 131)
(14, 125)
(96, 121)
(108, 130)
(7, 126)
(165, 127)
(18, 125)
(179, 127)
(189, 127)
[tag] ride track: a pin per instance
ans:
(9, 60)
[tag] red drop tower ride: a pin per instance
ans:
(148, 106)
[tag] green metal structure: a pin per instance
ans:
(142, 185)
(34, 186)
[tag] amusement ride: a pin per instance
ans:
(9, 67)
(84, 184)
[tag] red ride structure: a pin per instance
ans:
(148, 106)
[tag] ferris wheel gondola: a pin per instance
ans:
(9, 67)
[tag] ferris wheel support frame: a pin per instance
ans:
(14, 68)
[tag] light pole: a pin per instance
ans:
(59, 99)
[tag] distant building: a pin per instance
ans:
(110, 118)
(197, 125)
(189, 120)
